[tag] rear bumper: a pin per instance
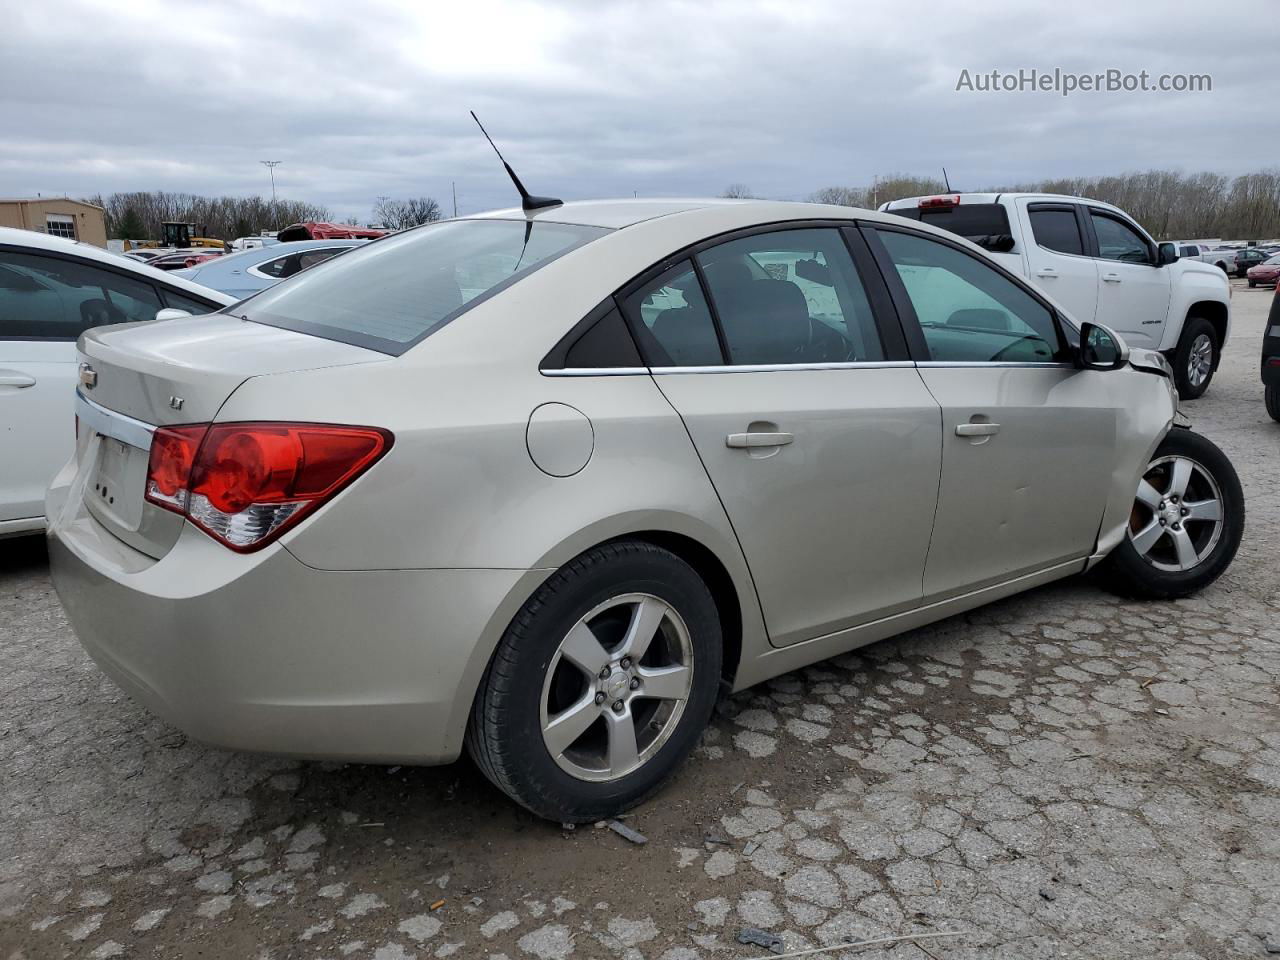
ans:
(264, 653)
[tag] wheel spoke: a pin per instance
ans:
(583, 648)
(563, 730)
(646, 618)
(1146, 538)
(1187, 556)
(1180, 478)
(1204, 509)
(666, 683)
(1149, 495)
(623, 750)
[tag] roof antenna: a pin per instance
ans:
(527, 200)
(944, 172)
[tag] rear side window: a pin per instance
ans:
(49, 298)
(287, 266)
(1055, 228)
(190, 304)
(1188, 252)
(790, 297)
(393, 292)
(671, 317)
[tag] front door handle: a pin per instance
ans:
(977, 429)
(1048, 273)
(14, 378)
(1111, 277)
(751, 440)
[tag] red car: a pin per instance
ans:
(1268, 271)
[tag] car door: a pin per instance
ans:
(1028, 441)
(1057, 260)
(46, 302)
(817, 432)
(1133, 295)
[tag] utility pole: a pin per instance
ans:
(271, 168)
(453, 185)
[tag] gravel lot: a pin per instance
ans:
(1057, 775)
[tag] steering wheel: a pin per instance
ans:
(1000, 354)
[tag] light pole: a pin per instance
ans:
(271, 168)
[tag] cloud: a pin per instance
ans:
(606, 98)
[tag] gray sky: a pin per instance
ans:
(361, 99)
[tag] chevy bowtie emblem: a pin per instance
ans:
(88, 376)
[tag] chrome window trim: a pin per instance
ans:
(118, 426)
(780, 367)
(596, 372)
(1050, 364)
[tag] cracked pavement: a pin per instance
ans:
(1061, 774)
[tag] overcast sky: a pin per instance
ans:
(590, 99)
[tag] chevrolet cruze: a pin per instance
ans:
(541, 483)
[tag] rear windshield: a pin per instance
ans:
(965, 219)
(392, 293)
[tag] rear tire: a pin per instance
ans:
(1253, 283)
(1272, 397)
(1188, 482)
(569, 725)
(1195, 359)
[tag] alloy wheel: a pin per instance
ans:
(1177, 516)
(1200, 360)
(616, 688)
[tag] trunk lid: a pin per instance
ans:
(136, 377)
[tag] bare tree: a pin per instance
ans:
(138, 215)
(738, 191)
(403, 214)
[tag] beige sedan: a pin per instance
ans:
(542, 483)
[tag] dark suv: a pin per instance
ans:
(1271, 358)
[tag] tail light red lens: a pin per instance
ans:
(246, 483)
(947, 201)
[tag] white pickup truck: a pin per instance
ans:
(1095, 261)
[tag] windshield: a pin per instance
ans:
(396, 291)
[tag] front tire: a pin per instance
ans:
(601, 685)
(1196, 358)
(1272, 397)
(1185, 525)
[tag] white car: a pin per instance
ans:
(1222, 258)
(51, 291)
(1094, 260)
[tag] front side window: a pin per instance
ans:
(1188, 252)
(48, 298)
(790, 297)
(1119, 241)
(1056, 229)
(393, 292)
(968, 311)
(672, 320)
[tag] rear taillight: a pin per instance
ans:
(933, 202)
(244, 484)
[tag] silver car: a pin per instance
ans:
(544, 483)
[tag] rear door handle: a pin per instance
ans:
(977, 429)
(13, 378)
(1111, 277)
(749, 440)
(1048, 273)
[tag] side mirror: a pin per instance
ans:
(1101, 348)
(1167, 254)
(172, 313)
